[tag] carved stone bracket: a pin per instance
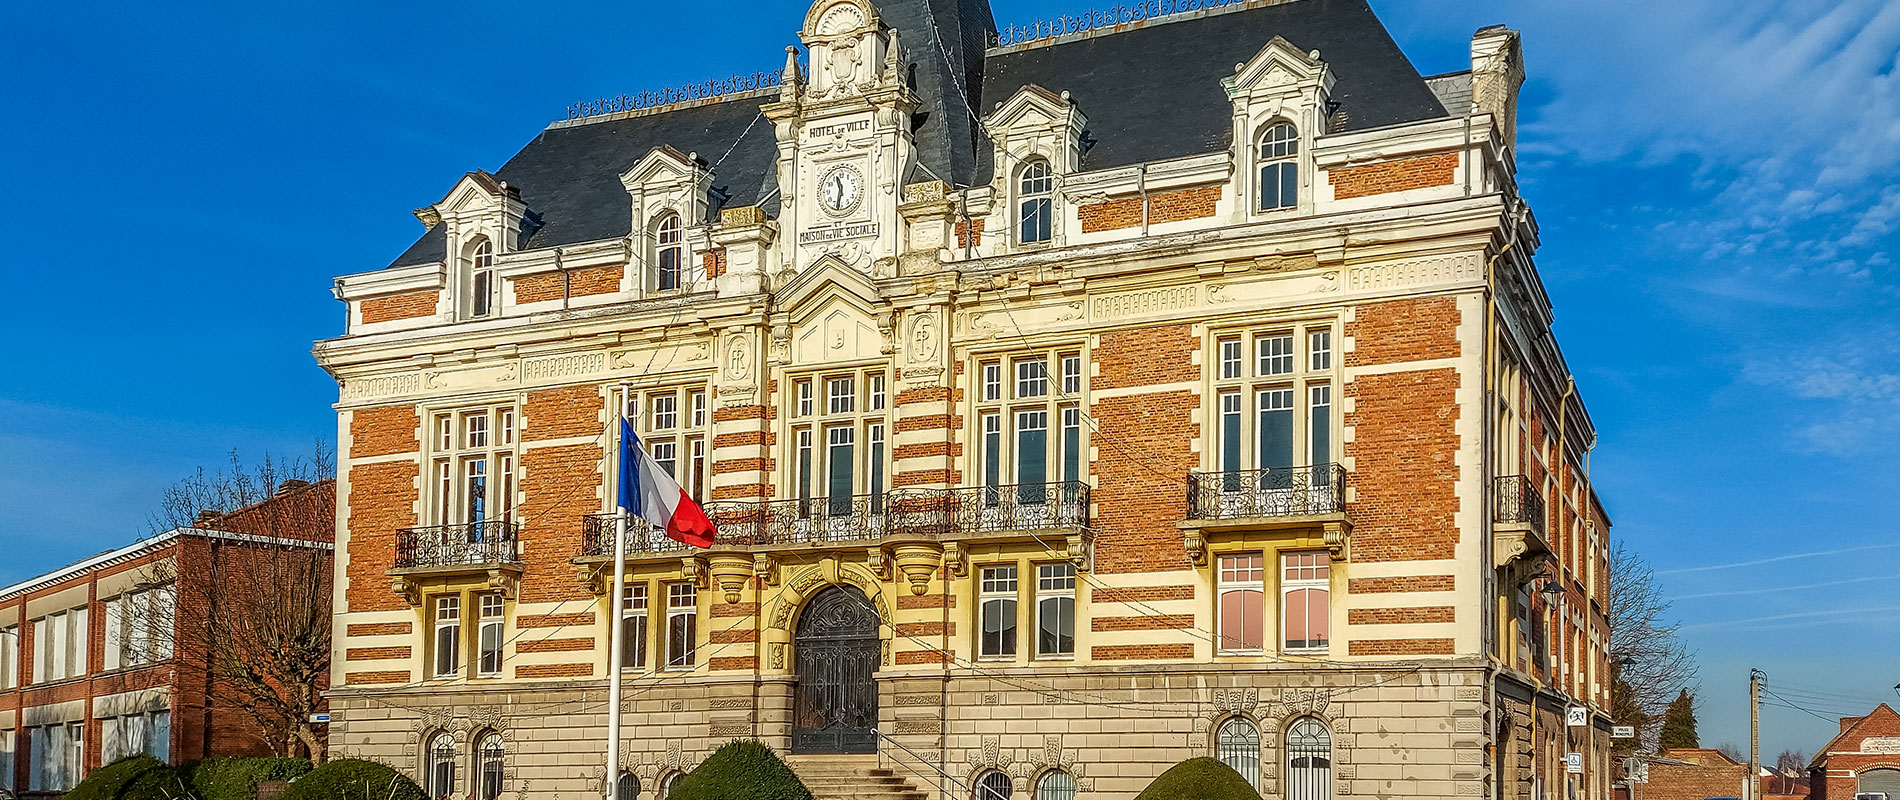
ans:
(1338, 538)
(694, 568)
(956, 559)
(765, 569)
(1195, 543)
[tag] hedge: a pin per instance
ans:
(351, 779)
(1199, 779)
(237, 778)
(740, 771)
(132, 778)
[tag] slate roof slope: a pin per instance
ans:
(569, 177)
(1154, 92)
(946, 138)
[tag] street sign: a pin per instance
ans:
(1577, 717)
(1623, 732)
(1573, 763)
(1639, 772)
(320, 718)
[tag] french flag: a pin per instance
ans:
(647, 492)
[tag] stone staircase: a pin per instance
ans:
(853, 777)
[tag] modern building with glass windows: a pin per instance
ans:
(1070, 403)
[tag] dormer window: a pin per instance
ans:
(482, 279)
(669, 252)
(1277, 157)
(1035, 206)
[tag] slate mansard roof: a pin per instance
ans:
(1150, 92)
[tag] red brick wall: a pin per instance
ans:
(1169, 206)
(562, 413)
(1401, 647)
(1421, 583)
(561, 485)
(1404, 330)
(575, 283)
(382, 501)
(398, 306)
(1713, 777)
(1403, 448)
(715, 262)
(383, 431)
(1394, 176)
(970, 234)
(1401, 616)
(1142, 448)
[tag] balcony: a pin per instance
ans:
(1293, 499)
(1518, 518)
(490, 548)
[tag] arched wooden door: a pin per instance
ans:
(835, 653)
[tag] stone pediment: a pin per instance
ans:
(827, 276)
(835, 332)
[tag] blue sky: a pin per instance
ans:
(1718, 183)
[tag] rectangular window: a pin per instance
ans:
(997, 611)
(698, 404)
(1230, 357)
(1275, 431)
(58, 756)
(993, 380)
(115, 644)
(666, 410)
(666, 454)
(445, 432)
(1275, 353)
(992, 451)
(696, 483)
(1242, 599)
(9, 663)
(1305, 599)
(7, 750)
(1032, 455)
(1071, 374)
(874, 464)
(505, 486)
(804, 467)
(1032, 378)
(490, 637)
(877, 393)
(1055, 610)
(1319, 435)
(682, 609)
(475, 429)
(804, 398)
(1072, 445)
(633, 627)
(840, 466)
(507, 426)
(448, 636)
(475, 489)
(1230, 433)
(841, 396)
(1319, 347)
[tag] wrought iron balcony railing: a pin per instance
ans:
(597, 537)
(1021, 507)
(1515, 499)
(489, 542)
(1272, 492)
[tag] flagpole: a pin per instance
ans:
(615, 645)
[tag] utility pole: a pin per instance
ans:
(1754, 734)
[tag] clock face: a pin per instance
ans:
(840, 190)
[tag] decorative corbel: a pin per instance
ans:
(886, 322)
(693, 568)
(503, 582)
(409, 588)
(592, 578)
(955, 559)
(1081, 551)
(879, 562)
(1338, 538)
(765, 569)
(1196, 546)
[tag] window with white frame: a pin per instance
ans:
(1055, 610)
(996, 613)
(1309, 754)
(491, 754)
(489, 636)
(58, 756)
(441, 755)
(473, 468)
(9, 657)
(1237, 744)
(633, 626)
(148, 733)
(672, 423)
(1242, 600)
(1035, 203)
(669, 253)
(667, 782)
(1029, 430)
(1306, 600)
(8, 751)
(447, 642)
(482, 284)
(1055, 785)
(682, 626)
(59, 646)
(1277, 159)
(841, 444)
(138, 627)
(1273, 413)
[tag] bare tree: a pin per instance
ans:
(1733, 752)
(1646, 654)
(1791, 762)
(253, 611)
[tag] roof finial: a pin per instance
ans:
(789, 79)
(893, 60)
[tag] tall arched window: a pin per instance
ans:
(669, 252)
(1277, 157)
(490, 763)
(1238, 742)
(1309, 760)
(992, 785)
(667, 782)
(481, 263)
(1055, 785)
(1035, 202)
(441, 766)
(628, 787)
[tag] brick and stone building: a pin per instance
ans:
(1693, 774)
(1070, 405)
(92, 667)
(1863, 759)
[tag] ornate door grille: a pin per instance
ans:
(835, 649)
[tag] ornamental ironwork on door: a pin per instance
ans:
(835, 649)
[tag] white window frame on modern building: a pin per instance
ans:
(9, 751)
(9, 657)
(669, 253)
(138, 628)
(998, 588)
(1034, 220)
(474, 469)
(483, 288)
(445, 637)
(58, 756)
(840, 452)
(1275, 379)
(1240, 576)
(1237, 744)
(1277, 156)
(1055, 611)
(59, 646)
(147, 733)
(1030, 436)
(682, 626)
(634, 627)
(1304, 573)
(491, 634)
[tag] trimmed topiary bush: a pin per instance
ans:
(237, 778)
(350, 779)
(132, 778)
(1199, 779)
(740, 771)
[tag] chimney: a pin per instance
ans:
(1848, 722)
(207, 516)
(290, 485)
(1497, 72)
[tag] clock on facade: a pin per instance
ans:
(840, 190)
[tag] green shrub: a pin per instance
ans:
(1199, 779)
(350, 779)
(237, 778)
(741, 771)
(132, 778)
